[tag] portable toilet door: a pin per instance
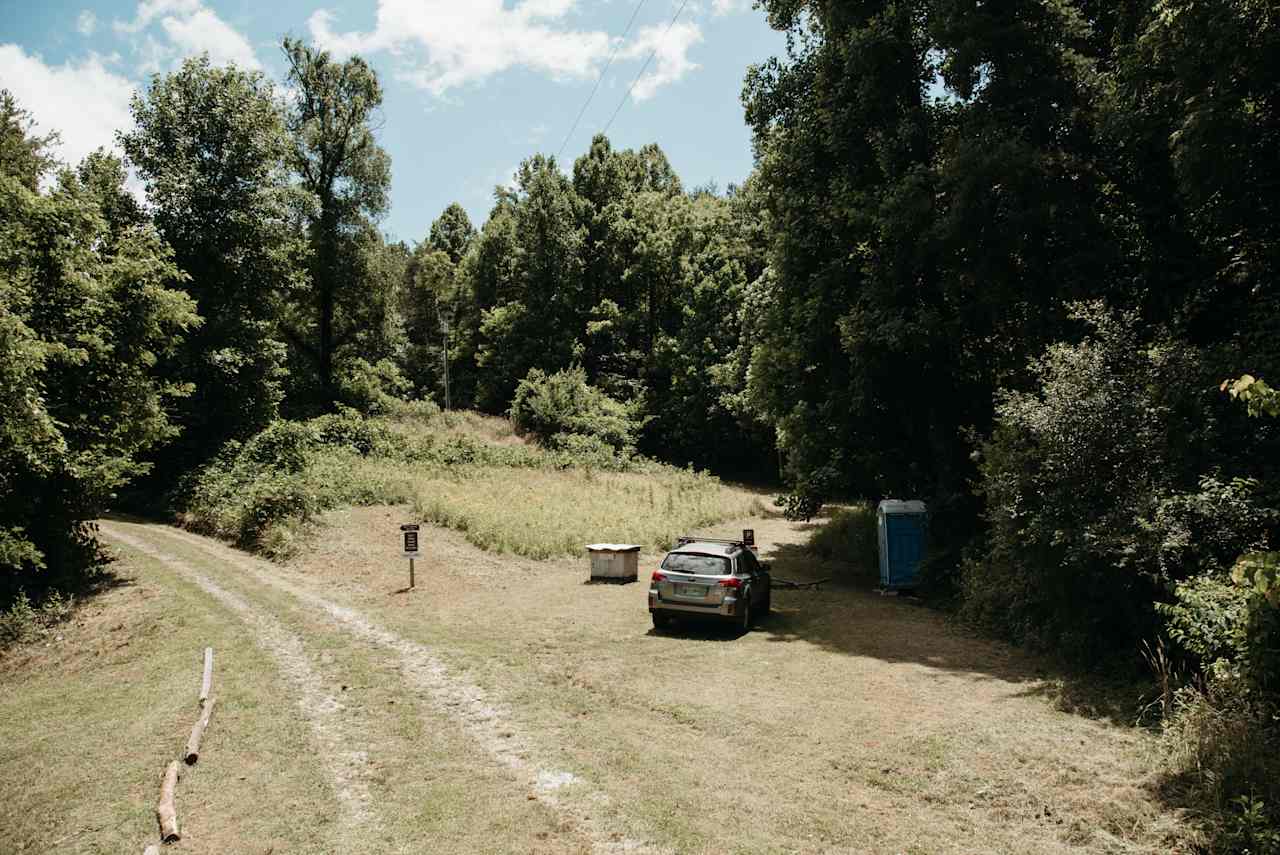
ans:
(900, 528)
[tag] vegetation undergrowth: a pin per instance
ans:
(458, 472)
(24, 621)
(849, 535)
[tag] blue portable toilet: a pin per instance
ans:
(901, 529)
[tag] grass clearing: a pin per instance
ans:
(847, 722)
(551, 513)
(459, 470)
(90, 717)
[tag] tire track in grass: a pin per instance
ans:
(480, 717)
(334, 737)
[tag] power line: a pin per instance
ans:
(644, 67)
(581, 112)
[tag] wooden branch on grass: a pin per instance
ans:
(207, 682)
(166, 812)
(192, 754)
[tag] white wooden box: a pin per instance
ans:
(614, 562)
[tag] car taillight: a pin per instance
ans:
(731, 582)
(659, 576)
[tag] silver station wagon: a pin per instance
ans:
(703, 576)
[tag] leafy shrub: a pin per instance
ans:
(373, 388)
(1084, 480)
(423, 410)
(1250, 828)
(548, 406)
(348, 429)
(1207, 618)
(285, 446)
(588, 451)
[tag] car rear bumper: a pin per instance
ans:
(727, 608)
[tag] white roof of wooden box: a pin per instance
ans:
(613, 547)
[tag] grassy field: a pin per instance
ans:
(470, 473)
(506, 705)
(847, 722)
(548, 513)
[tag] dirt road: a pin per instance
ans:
(506, 706)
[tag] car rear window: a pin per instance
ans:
(700, 565)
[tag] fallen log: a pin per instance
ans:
(192, 754)
(166, 813)
(207, 682)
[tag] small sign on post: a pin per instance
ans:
(749, 540)
(410, 531)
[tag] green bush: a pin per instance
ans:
(1207, 619)
(1093, 515)
(550, 406)
(373, 388)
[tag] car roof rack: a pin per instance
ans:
(685, 538)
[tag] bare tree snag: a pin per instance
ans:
(207, 682)
(165, 810)
(192, 754)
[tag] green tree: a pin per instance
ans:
(432, 304)
(923, 248)
(25, 157)
(209, 144)
(536, 307)
(452, 233)
(85, 315)
(346, 172)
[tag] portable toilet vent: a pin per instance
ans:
(901, 528)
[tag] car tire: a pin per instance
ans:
(661, 620)
(743, 620)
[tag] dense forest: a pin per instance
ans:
(1019, 260)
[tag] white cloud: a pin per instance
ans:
(205, 31)
(190, 28)
(149, 10)
(444, 44)
(83, 102)
(724, 7)
(87, 23)
(671, 62)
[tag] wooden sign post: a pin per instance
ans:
(410, 531)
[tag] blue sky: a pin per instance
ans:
(472, 86)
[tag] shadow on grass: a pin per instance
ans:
(31, 608)
(849, 617)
